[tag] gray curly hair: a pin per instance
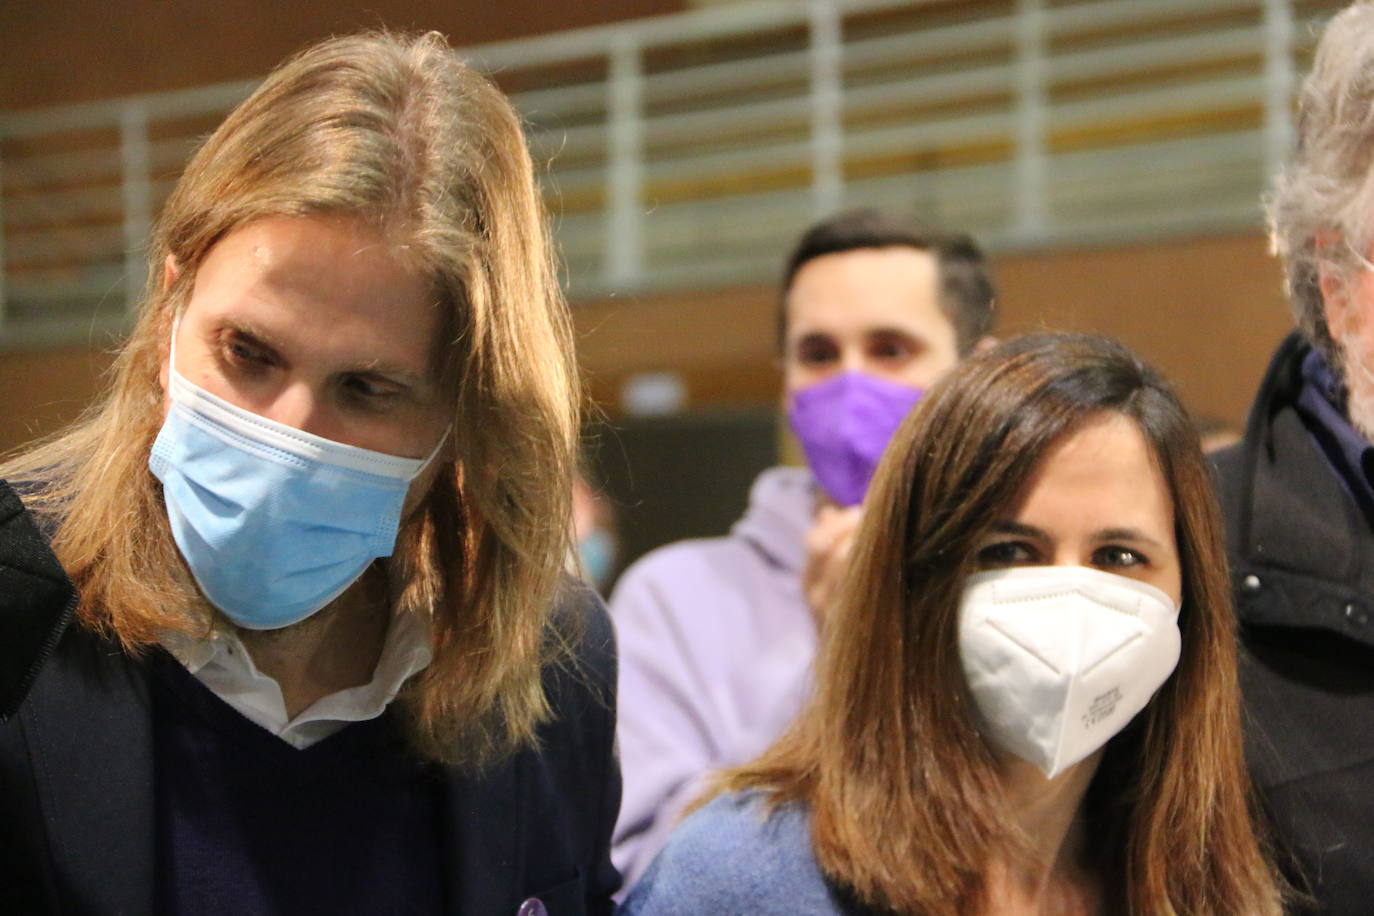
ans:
(1328, 186)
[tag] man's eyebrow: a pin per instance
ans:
(807, 338)
(395, 370)
(371, 364)
(248, 329)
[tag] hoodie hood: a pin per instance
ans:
(782, 505)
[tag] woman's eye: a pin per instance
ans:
(1117, 557)
(1006, 553)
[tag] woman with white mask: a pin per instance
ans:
(1027, 702)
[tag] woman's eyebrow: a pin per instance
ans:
(1020, 529)
(1126, 534)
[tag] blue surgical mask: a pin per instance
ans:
(596, 553)
(273, 522)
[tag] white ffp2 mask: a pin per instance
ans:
(1060, 658)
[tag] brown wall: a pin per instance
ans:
(1207, 311)
(57, 51)
(42, 391)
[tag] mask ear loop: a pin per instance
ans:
(172, 346)
(438, 446)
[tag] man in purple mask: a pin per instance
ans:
(717, 636)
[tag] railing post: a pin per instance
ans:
(827, 107)
(1031, 171)
(1279, 78)
(136, 161)
(623, 263)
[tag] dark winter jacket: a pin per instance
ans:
(1302, 557)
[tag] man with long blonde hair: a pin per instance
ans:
(302, 642)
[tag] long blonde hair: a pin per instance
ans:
(907, 809)
(395, 132)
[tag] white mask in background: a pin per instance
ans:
(1060, 658)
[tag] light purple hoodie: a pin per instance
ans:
(716, 643)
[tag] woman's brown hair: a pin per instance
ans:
(906, 806)
(395, 133)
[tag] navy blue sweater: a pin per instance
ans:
(246, 823)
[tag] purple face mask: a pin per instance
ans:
(843, 424)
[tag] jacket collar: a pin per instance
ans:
(1298, 533)
(37, 601)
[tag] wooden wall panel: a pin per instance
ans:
(40, 392)
(1207, 311)
(81, 50)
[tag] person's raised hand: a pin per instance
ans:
(827, 557)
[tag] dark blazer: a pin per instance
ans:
(76, 767)
(1302, 561)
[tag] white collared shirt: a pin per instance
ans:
(223, 664)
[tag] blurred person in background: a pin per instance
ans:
(1298, 493)
(717, 636)
(320, 655)
(595, 545)
(1216, 434)
(1027, 699)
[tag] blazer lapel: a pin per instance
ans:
(484, 845)
(89, 725)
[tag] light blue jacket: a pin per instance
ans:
(735, 858)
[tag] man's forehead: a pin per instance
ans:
(870, 288)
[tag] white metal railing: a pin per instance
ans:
(690, 149)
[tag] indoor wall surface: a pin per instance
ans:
(1207, 311)
(83, 50)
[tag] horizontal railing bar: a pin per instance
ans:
(95, 243)
(56, 207)
(931, 89)
(176, 103)
(1169, 100)
(87, 165)
(44, 333)
(1106, 14)
(47, 284)
(1202, 48)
